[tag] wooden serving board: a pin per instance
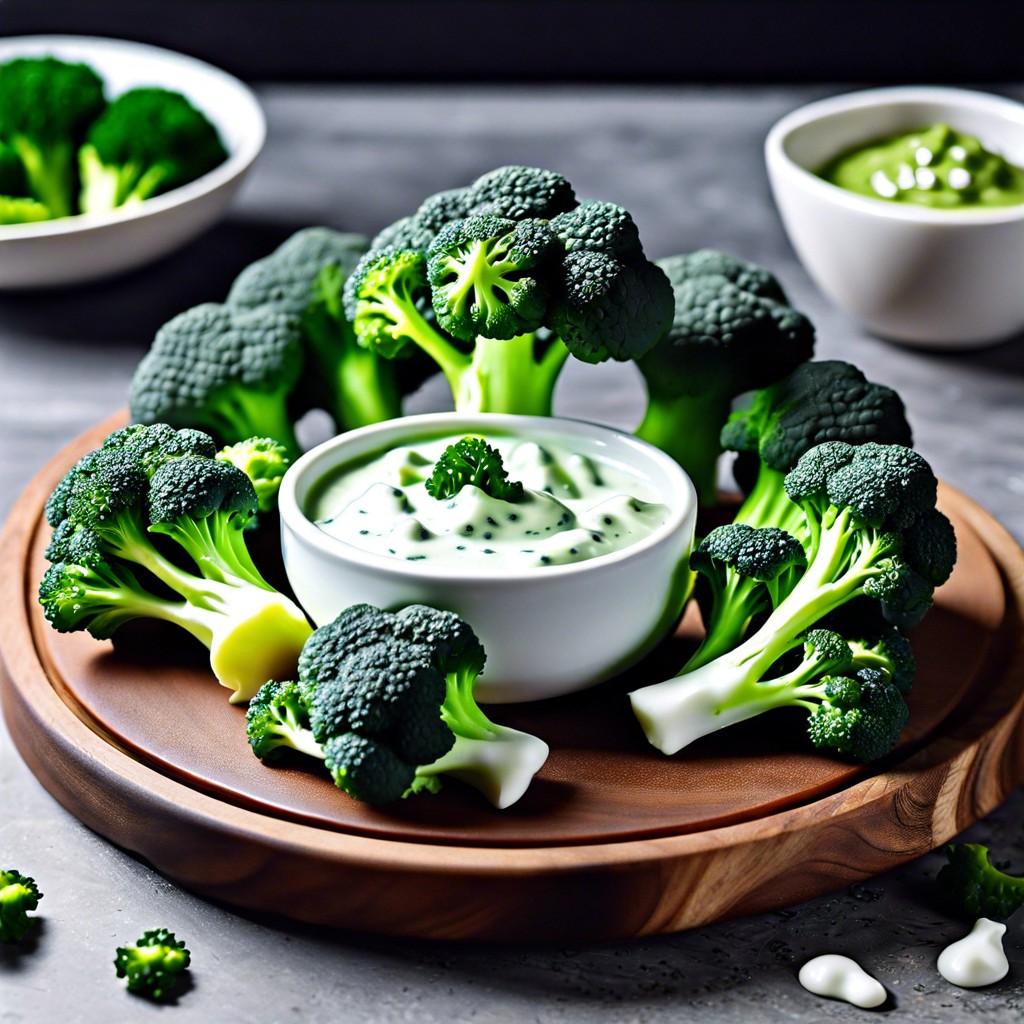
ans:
(612, 840)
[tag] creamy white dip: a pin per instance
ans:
(573, 507)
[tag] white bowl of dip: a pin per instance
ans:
(929, 277)
(559, 605)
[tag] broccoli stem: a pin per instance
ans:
(217, 545)
(768, 504)
(505, 376)
(366, 391)
(675, 712)
(688, 428)
(244, 414)
(50, 173)
(733, 606)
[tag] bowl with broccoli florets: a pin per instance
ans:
(112, 154)
(564, 544)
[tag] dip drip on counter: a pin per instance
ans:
(572, 508)
(934, 166)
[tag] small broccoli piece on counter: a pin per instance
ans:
(873, 536)
(153, 964)
(46, 107)
(264, 461)
(305, 277)
(970, 885)
(500, 281)
(126, 519)
(149, 140)
(225, 370)
(827, 400)
(386, 701)
(733, 330)
(18, 895)
(472, 461)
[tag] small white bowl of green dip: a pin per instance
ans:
(570, 582)
(906, 207)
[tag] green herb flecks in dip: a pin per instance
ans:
(934, 166)
(571, 507)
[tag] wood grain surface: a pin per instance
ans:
(614, 840)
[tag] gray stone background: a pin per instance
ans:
(687, 162)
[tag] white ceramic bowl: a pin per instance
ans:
(547, 631)
(930, 277)
(73, 250)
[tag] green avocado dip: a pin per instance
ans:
(571, 507)
(935, 166)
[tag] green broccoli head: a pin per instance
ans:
(732, 331)
(153, 963)
(472, 461)
(972, 887)
(500, 281)
(861, 716)
(147, 141)
(224, 370)
(386, 701)
(18, 895)
(860, 504)
(264, 461)
(108, 569)
(286, 278)
(46, 107)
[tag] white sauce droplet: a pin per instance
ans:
(978, 958)
(925, 178)
(958, 153)
(839, 977)
(923, 156)
(906, 178)
(959, 177)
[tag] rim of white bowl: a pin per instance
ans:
(778, 158)
(238, 162)
(323, 459)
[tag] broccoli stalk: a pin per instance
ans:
(18, 895)
(386, 702)
(733, 330)
(153, 963)
(152, 482)
(972, 887)
(498, 283)
(873, 533)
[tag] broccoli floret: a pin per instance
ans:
(46, 107)
(972, 887)
(732, 331)
(820, 401)
(859, 502)
(472, 460)
(305, 277)
(225, 370)
(264, 461)
(743, 574)
(498, 283)
(152, 964)
(147, 141)
(386, 701)
(18, 895)
(150, 482)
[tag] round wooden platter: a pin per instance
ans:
(612, 840)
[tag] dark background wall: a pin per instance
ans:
(563, 40)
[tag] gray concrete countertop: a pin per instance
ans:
(687, 163)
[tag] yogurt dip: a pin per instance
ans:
(573, 507)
